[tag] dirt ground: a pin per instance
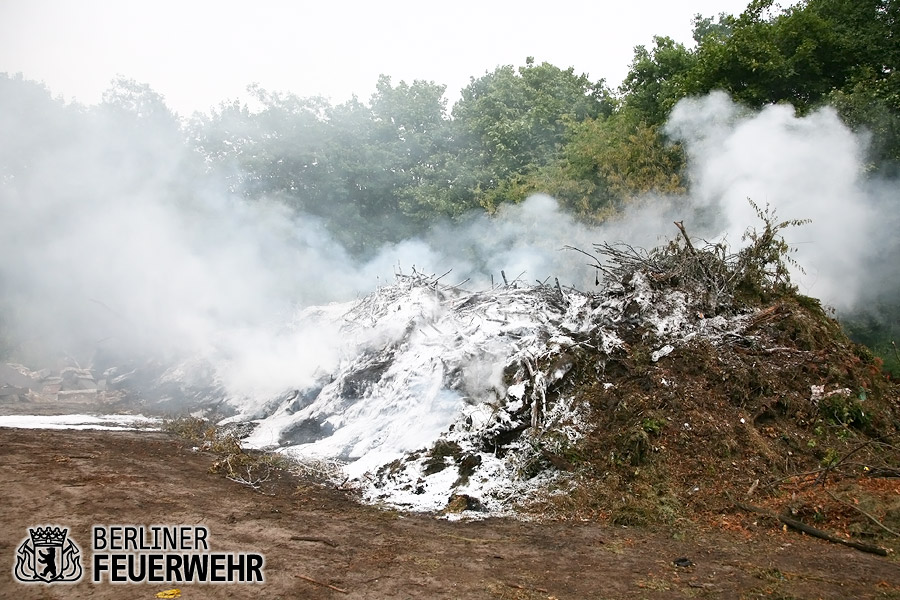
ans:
(314, 537)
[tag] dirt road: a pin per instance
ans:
(318, 543)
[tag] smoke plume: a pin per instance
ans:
(808, 167)
(115, 240)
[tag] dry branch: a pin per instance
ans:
(757, 271)
(864, 513)
(821, 473)
(690, 247)
(526, 588)
(809, 530)
(304, 538)
(328, 585)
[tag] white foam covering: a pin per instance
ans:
(483, 373)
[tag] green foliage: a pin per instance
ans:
(873, 105)
(812, 53)
(655, 81)
(387, 170)
(425, 163)
(26, 106)
(390, 167)
(795, 56)
(845, 410)
(623, 158)
(352, 165)
(146, 130)
(877, 325)
(719, 28)
(653, 425)
(514, 121)
(763, 266)
(139, 101)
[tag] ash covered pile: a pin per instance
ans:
(442, 393)
(690, 374)
(475, 400)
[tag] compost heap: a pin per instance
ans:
(687, 377)
(690, 375)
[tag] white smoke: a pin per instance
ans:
(115, 240)
(808, 167)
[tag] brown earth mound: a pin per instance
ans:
(789, 415)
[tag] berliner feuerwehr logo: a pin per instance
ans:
(48, 555)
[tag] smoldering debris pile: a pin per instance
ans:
(689, 374)
(470, 400)
(688, 369)
(69, 397)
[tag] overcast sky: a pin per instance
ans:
(198, 53)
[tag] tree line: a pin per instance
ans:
(395, 164)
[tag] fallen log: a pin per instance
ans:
(810, 530)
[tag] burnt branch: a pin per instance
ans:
(721, 279)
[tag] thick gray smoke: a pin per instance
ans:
(114, 240)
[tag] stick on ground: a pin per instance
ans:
(328, 585)
(864, 513)
(809, 530)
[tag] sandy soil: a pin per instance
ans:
(314, 537)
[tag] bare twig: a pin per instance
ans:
(436, 279)
(253, 480)
(822, 472)
(864, 513)
(883, 472)
(588, 254)
(775, 482)
(559, 289)
(328, 585)
(522, 587)
(687, 239)
(753, 488)
(461, 283)
(304, 538)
